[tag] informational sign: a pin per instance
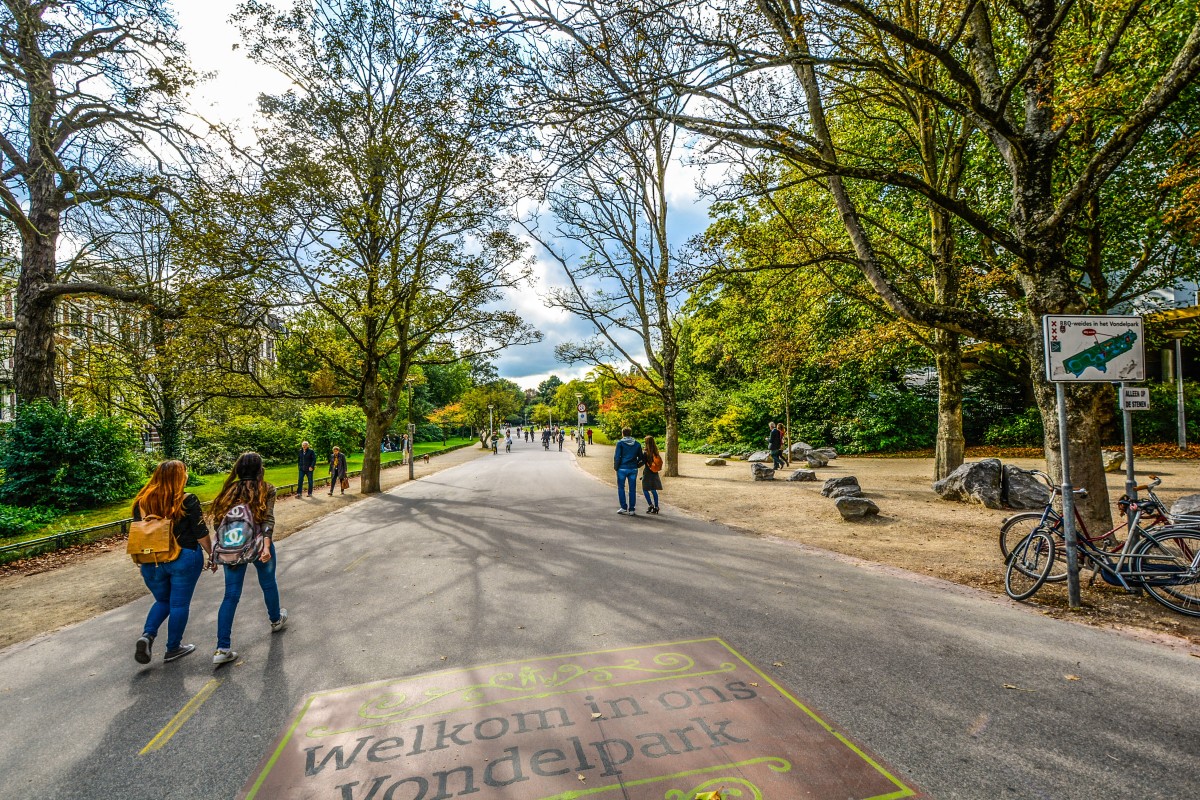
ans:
(676, 720)
(581, 408)
(1094, 349)
(1135, 399)
(583, 418)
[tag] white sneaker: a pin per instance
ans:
(280, 623)
(224, 656)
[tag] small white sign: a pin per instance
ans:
(1094, 349)
(1135, 399)
(583, 418)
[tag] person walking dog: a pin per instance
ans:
(307, 464)
(171, 582)
(337, 470)
(246, 495)
(626, 460)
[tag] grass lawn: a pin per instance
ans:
(281, 475)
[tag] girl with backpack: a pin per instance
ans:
(171, 582)
(245, 493)
(651, 483)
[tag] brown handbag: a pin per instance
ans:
(151, 541)
(345, 484)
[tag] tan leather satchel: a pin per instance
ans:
(151, 541)
(345, 484)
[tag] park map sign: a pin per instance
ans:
(661, 722)
(1099, 348)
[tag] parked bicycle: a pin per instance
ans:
(581, 447)
(1163, 559)
(1017, 527)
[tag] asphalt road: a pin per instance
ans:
(521, 555)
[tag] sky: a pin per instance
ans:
(229, 96)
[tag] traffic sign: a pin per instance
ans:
(583, 418)
(1094, 349)
(581, 408)
(1135, 399)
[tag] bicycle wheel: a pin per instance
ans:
(1029, 565)
(1016, 528)
(1171, 553)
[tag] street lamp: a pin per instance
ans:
(491, 428)
(1180, 416)
(578, 402)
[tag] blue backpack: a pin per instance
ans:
(239, 538)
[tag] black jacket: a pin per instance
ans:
(307, 459)
(775, 439)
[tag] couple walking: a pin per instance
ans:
(628, 457)
(173, 582)
(306, 462)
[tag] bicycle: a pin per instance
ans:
(1017, 527)
(1164, 560)
(581, 447)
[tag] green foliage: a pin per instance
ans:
(640, 411)
(60, 457)
(1159, 424)
(325, 426)
(1020, 430)
(273, 440)
(19, 520)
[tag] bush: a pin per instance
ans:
(273, 440)
(1022, 430)
(19, 520)
(1158, 423)
(59, 457)
(326, 426)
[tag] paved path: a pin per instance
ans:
(521, 555)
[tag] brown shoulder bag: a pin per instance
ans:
(151, 541)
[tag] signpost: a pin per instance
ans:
(582, 409)
(1089, 349)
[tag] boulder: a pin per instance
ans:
(815, 459)
(724, 455)
(803, 475)
(1021, 490)
(853, 490)
(855, 507)
(829, 453)
(761, 472)
(974, 482)
(837, 483)
(1188, 505)
(715, 462)
(1113, 460)
(799, 449)
(759, 456)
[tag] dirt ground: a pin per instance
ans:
(43, 594)
(915, 530)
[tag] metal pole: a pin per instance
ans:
(409, 454)
(1130, 482)
(1068, 502)
(1180, 419)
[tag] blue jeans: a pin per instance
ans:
(627, 476)
(234, 578)
(300, 483)
(651, 501)
(172, 585)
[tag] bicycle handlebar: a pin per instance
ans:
(1154, 481)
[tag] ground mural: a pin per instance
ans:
(656, 722)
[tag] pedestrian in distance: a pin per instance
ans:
(307, 464)
(589, 434)
(626, 460)
(775, 445)
(171, 582)
(651, 482)
(561, 438)
(337, 470)
(245, 488)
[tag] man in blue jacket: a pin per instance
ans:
(307, 464)
(626, 460)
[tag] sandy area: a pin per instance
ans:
(45, 593)
(916, 530)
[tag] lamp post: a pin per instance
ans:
(1180, 415)
(491, 428)
(408, 381)
(578, 402)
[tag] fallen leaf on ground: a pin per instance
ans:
(754, 684)
(581, 777)
(1018, 688)
(597, 716)
(777, 664)
(1071, 677)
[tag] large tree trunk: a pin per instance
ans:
(671, 411)
(1085, 419)
(33, 348)
(377, 426)
(170, 433)
(950, 441)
